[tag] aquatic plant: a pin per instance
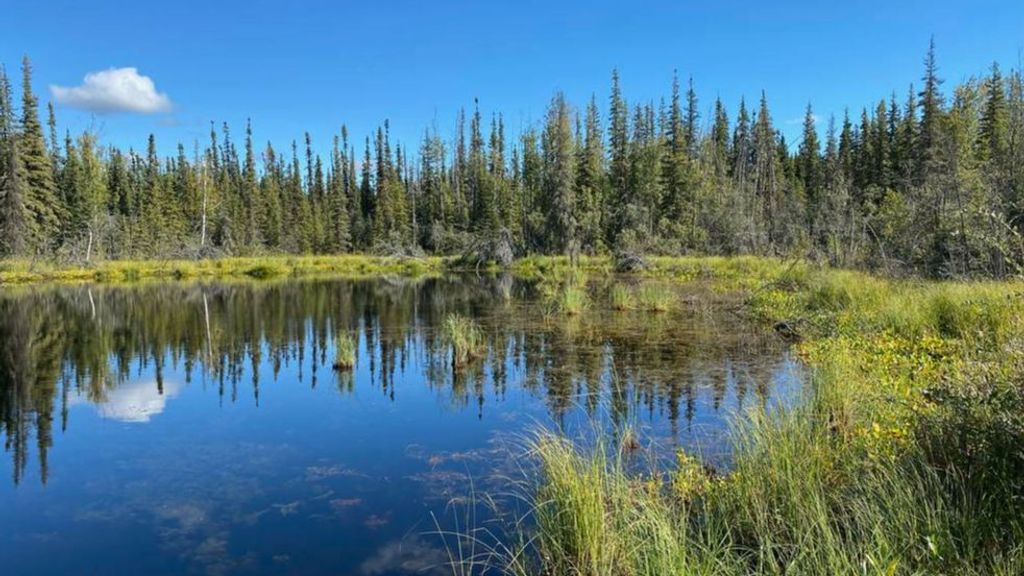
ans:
(344, 351)
(573, 299)
(655, 298)
(621, 298)
(565, 292)
(465, 337)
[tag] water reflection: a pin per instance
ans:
(207, 418)
(137, 401)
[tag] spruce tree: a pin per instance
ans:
(930, 101)
(559, 179)
(591, 181)
(690, 126)
(766, 172)
(251, 204)
(808, 165)
(338, 218)
(272, 192)
(993, 133)
(905, 171)
(40, 201)
(720, 140)
(618, 148)
(13, 215)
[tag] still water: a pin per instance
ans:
(200, 428)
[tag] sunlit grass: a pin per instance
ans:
(656, 298)
(565, 292)
(573, 299)
(465, 337)
(345, 347)
(621, 298)
(24, 271)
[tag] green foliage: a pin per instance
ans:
(26, 271)
(930, 187)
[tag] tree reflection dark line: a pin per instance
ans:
(56, 342)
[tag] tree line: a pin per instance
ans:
(927, 183)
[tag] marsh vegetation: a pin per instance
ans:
(903, 457)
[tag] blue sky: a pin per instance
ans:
(296, 66)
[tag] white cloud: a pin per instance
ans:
(137, 401)
(114, 90)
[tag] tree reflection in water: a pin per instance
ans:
(67, 344)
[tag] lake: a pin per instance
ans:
(200, 428)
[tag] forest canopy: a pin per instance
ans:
(926, 181)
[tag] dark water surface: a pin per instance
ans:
(199, 428)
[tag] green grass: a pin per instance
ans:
(345, 348)
(465, 337)
(25, 272)
(656, 298)
(573, 299)
(621, 298)
(564, 291)
(904, 458)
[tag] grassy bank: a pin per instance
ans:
(14, 272)
(725, 273)
(907, 456)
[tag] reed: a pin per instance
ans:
(465, 337)
(655, 298)
(621, 298)
(345, 348)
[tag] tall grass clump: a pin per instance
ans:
(573, 299)
(792, 504)
(592, 514)
(465, 337)
(566, 292)
(655, 298)
(621, 298)
(344, 351)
